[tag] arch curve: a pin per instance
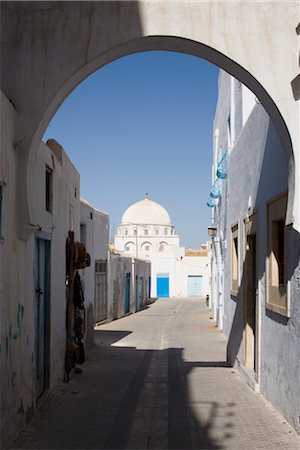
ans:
(78, 38)
(182, 45)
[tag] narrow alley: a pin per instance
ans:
(158, 379)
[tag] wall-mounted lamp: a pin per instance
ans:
(212, 231)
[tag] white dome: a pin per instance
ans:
(146, 212)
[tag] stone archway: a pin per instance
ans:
(48, 48)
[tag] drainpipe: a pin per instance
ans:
(214, 266)
(232, 112)
(220, 272)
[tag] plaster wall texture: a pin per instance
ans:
(50, 47)
(257, 172)
(95, 225)
(17, 282)
(192, 265)
(118, 266)
(142, 270)
(65, 216)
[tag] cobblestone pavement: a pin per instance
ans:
(156, 380)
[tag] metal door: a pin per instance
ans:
(162, 285)
(42, 315)
(127, 293)
(100, 298)
(195, 288)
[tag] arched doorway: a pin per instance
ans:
(66, 43)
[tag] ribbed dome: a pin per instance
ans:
(146, 212)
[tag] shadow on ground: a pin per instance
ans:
(126, 398)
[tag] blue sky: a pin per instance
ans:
(144, 124)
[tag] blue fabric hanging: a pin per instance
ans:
(211, 202)
(216, 189)
(222, 169)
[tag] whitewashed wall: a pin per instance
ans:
(257, 172)
(192, 265)
(118, 266)
(17, 288)
(95, 224)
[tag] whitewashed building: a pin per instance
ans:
(33, 277)
(128, 285)
(146, 232)
(255, 256)
(94, 234)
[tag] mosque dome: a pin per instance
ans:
(146, 212)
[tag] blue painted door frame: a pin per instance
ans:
(42, 315)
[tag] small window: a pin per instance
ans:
(157, 232)
(91, 215)
(49, 189)
(146, 232)
(166, 231)
(234, 260)
(277, 257)
(126, 232)
(101, 266)
(127, 248)
(147, 248)
(135, 231)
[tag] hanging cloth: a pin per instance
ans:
(78, 297)
(222, 169)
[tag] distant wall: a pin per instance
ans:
(118, 266)
(192, 265)
(95, 236)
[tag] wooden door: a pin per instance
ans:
(251, 295)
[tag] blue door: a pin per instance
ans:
(162, 285)
(42, 315)
(195, 288)
(127, 293)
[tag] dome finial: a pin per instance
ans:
(146, 195)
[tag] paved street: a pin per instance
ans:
(156, 380)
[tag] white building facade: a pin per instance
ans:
(255, 256)
(33, 278)
(94, 234)
(146, 232)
